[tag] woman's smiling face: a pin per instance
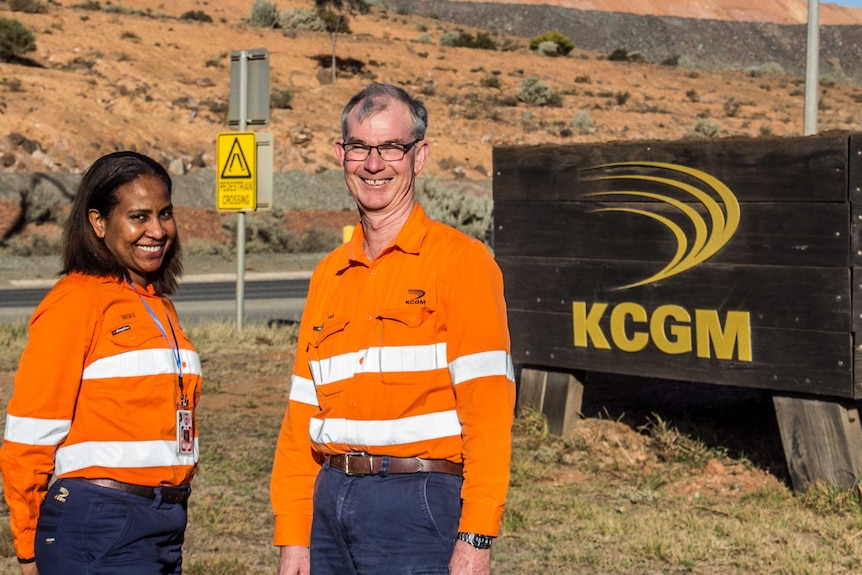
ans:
(141, 228)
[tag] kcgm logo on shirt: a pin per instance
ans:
(698, 237)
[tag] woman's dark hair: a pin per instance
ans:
(83, 250)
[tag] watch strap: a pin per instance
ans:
(476, 540)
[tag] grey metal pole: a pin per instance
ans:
(812, 69)
(240, 222)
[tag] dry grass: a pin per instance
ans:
(625, 495)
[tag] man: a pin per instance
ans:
(402, 395)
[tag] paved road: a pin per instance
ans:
(268, 297)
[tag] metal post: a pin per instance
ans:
(240, 223)
(812, 72)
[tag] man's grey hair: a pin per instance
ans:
(376, 97)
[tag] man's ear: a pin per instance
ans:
(420, 157)
(339, 151)
(98, 222)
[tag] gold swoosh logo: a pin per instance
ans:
(709, 236)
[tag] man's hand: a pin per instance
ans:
(294, 560)
(29, 568)
(467, 560)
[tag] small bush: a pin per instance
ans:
(769, 68)
(619, 55)
(563, 43)
(537, 93)
(89, 5)
(196, 16)
(491, 81)
(462, 39)
(28, 6)
(706, 128)
(582, 122)
(301, 19)
(461, 208)
(548, 49)
(15, 40)
(281, 99)
(332, 21)
(264, 14)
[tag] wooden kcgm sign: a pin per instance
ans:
(731, 261)
(236, 182)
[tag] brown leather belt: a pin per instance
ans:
(366, 464)
(169, 493)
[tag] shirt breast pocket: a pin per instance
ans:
(330, 358)
(409, 347)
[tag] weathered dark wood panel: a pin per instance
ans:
(786, 297)
(822, 441)
(799, 169)
(818, 363)
(769, 233)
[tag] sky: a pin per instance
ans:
(851, 3)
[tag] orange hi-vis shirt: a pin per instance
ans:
(96, 396)
(406, 355)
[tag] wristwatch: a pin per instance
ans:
(476, 540)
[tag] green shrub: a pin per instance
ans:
(196, 16)
(491, 81)
(706, 128)
(264, 14)
(333, 21)
(457, 206)
(582, 122)
(769, 68)
(301, 19)
(462, 39)
(619, 55)
(28, 6)
(548, 49)
(537, 93)
(15, 40)
(563, 43)
(281, 99)
(88, 5)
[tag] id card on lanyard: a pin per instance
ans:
(185, 419)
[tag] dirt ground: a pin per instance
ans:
(140, 77)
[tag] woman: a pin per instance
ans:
(100, 442)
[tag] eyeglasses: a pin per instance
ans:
(389, 152)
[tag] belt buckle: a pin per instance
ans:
(347, 457)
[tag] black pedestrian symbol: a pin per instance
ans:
(236, 165)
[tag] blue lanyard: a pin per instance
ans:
(175, 347)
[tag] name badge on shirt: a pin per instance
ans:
(185, 432)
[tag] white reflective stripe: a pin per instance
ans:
(484, 364)
(142, 362)
(385, 432)
(389, 359)
(302, 390)
(191, 362)
(34, 431)
(121, 454)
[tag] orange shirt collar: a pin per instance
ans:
(409, 239)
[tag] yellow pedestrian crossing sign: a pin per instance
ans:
(236, 185)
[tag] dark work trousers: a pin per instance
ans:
(400, 524)
(94, 530)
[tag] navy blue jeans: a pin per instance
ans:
(93, 530)
(404, 524)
